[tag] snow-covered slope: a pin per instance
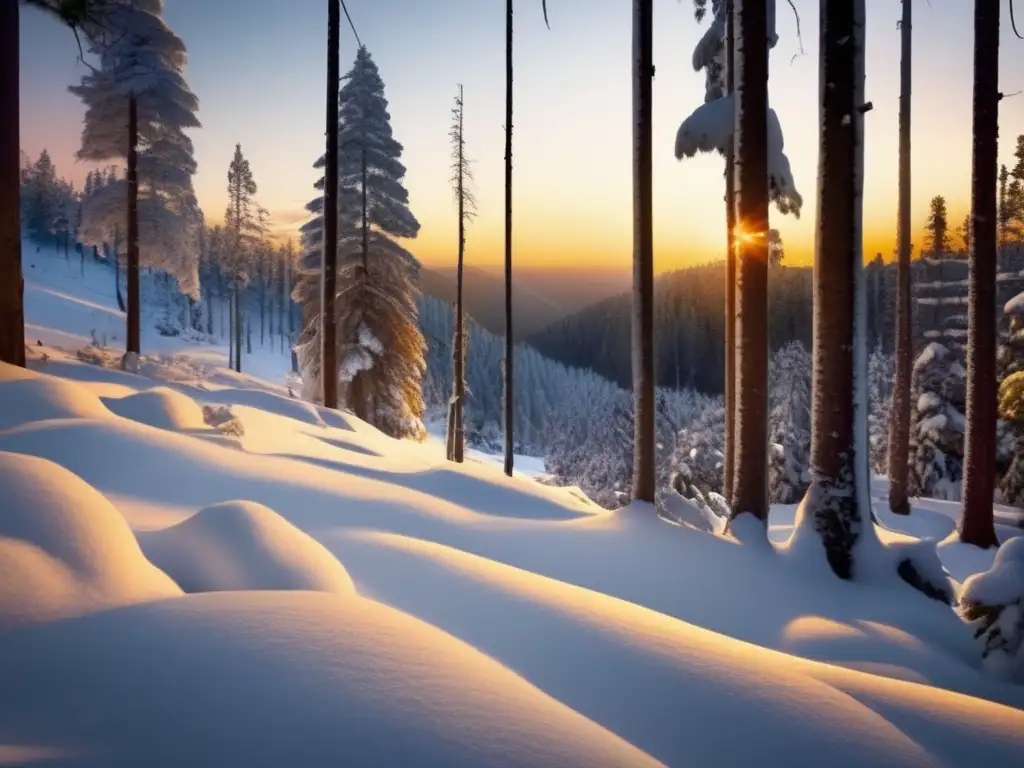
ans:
(489, 621)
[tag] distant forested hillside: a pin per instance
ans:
(689, 328)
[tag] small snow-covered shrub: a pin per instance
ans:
(937, 430)
(698, 461)
(993, 604)
(222, 417)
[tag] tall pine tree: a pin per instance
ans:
(462, 176)
(242, 225)
(380, 346)
(138, 106)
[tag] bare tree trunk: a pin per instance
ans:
(750, 484)
(643, 253)
(238, 329)
(231, 329)
(838, 500)
(328, 319)
(899, 427)
(134, 306)
(507, 370)
(977, 526)
(12, 286)
(248, 336)
(263, 305)
(730, 266)
(456, 426)
(117, 273)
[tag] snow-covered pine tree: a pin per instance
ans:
(937, 429)
(711, 126)
(380, 346)
(789, 423)
(881, 368)
(40, 199)
(462, 177)
(138, 106)
(244, 231)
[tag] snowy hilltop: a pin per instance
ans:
(199, 569)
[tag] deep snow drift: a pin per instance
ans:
(64, 550)
(414, 611)
(240, 545)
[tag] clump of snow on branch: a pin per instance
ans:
(711, 125)
(709, 129)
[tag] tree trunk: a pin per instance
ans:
(977, 525)
(248, 336)
(134, 307)
(730, 267)
(263, 307)
(328, 319)
(457, 452)
(365, 220)
(238, 330)
(899, 427)
(838, 501)
(643, 253)
(750, 483)
(12, 286)
(117, 277)
(231, 329)
(507, 368)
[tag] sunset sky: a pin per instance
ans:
(257, 67)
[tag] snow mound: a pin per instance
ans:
(601, 655)
(1015, 306)
(41, 398)
(160, 407)
(993, 602)
(64, 549)
(10, 372)
(1004, 582)
(272, 679)
(242, 545)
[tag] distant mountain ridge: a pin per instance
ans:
(540, 297)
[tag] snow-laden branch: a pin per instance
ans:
(709, 129)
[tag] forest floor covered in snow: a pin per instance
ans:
(197, 569)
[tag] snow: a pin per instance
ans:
(376, 604)
(64, 549)
(241, 545)
(708, 130)
(159, 407)
(39, 399)
(262, 679)
(1015, 306)
(1003, 583)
